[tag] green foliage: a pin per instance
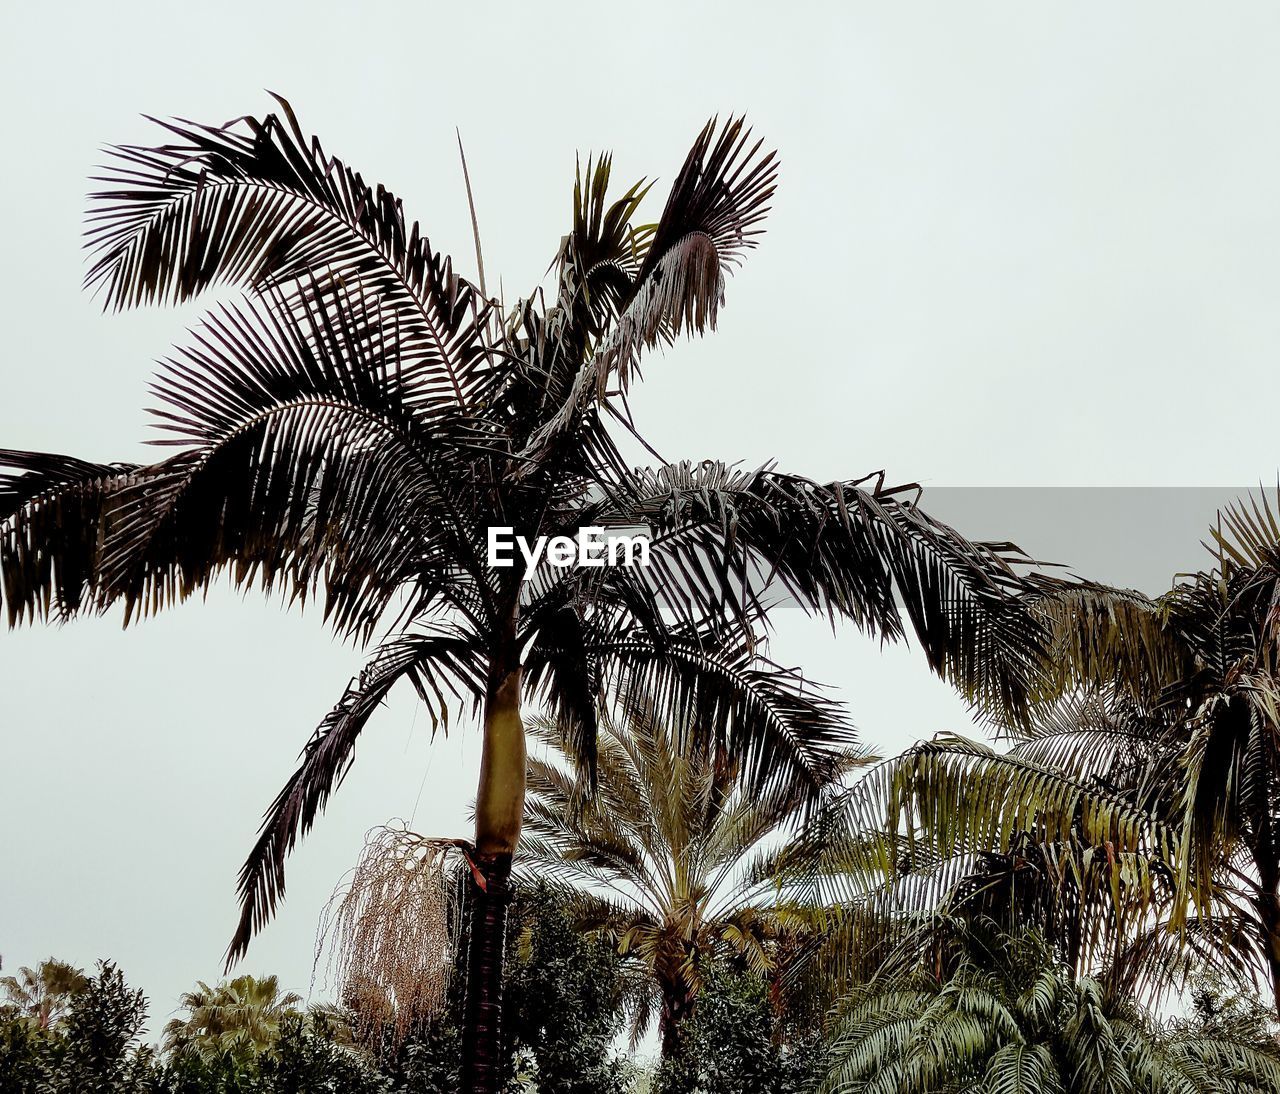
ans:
(1219, 1009)
(428, 1062)
(210, 1073)
(734, 1043)
(25, 1056)
(240, 1017)
(564, 1000)
(987, 1012)
(1007, 1015)
(1148, 779)
(305, 1062)
(671, 856)
(301, 1060)
(44, 993)
(564, 997)
(96, 1047)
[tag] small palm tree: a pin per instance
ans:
(1002, 1015)
(673, 857)
(43, 994)
(240, 1017)
(355, 426)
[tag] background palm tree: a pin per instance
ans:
(43, 994)
(1144, 802)
(673, 857)
(352, 428)
(237, 1017)
(1004, 1016)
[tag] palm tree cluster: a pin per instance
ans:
(1136, 816)
(353, 426)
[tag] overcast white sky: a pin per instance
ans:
(1014, 244)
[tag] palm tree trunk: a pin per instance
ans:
(499, 813)
(1270, 908)
(677, 1004)
(1268, 904)
(483, 1055)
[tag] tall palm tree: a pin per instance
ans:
(43, 994)
(1151, 788)
(354, 427)
(673, 857)
(1004, 1016)
(240, 1016)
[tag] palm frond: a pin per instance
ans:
(1250, 539)
(602, 254)
(725, 543)
(304, 461)
(967, 796)
(712, 217)
(780, 727)
(1111, 639)
(1006, 1018)
(258, 204)
(444, 667)
(1161, 956)
(561, 670)
(956, 829)
(54, 516)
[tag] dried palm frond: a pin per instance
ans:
(388, 931)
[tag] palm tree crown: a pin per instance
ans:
(672, 857)
(43, 994)
(237, 1016)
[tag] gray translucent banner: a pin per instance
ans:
(1133, 536)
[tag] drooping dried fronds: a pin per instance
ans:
(387, 931)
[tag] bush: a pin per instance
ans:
(733, 1043)
(94, 1048)
(25, 1056)
(563, 1010)
(564, 1000)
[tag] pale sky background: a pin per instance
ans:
(1014, 244)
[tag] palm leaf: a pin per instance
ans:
(304, 460)
(727, 543)
(255, 203)
(55, 514)
(444, 667)
(712, 217)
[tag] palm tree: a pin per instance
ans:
(1150, 790)
(673, 858)
(957, 829)
(43, 994)
(353, 428)
(237, 1017)
(1004, 1016)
